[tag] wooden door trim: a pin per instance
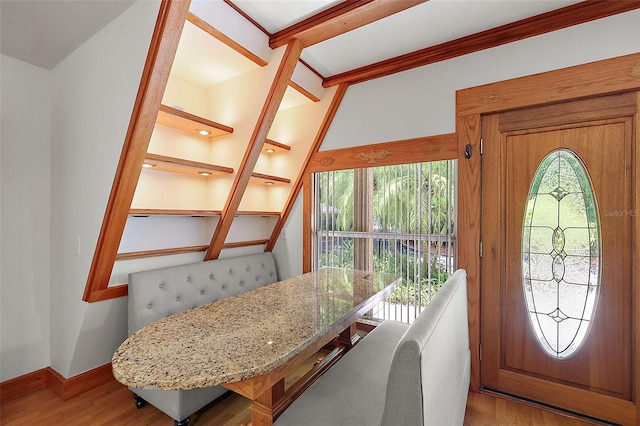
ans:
(492, 261)
(609, 76)
(468, 256)
(570, 112)
(635, 256)
(618, 409)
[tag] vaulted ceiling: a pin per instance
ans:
(339, 43)
(44, 32)
(424, 24)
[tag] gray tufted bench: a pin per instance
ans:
(398, 374)
(158, 293)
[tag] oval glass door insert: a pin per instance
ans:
(561, 254)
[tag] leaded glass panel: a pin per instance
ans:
(561, 254)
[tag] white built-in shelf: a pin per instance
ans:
(190, 123)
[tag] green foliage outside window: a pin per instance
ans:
(406, 199)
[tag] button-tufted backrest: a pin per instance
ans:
(159, 293)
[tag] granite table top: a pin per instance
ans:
(246, 335)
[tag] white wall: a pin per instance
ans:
(90, 98)
(25, 196)
(421, 102)
(288, 248)
(93, 92)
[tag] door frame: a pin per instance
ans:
(610, 76)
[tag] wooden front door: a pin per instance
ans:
(557, 311)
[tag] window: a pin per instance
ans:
(398, 219)
(561, 254)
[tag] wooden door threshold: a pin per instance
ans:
(545, 407)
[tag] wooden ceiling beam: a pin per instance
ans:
(263, 124)
(540, 24)
(339, 19)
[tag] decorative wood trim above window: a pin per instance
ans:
(418, 150)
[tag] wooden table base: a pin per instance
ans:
(269, 405)
(270, 401)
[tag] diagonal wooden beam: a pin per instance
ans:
(155, 75)
(297, 186)
(339, 19)
(540, 24)
(267, 115)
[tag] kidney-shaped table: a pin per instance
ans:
(249, 342)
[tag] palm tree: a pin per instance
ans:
(336, 199)
(407, 199)
(417, 199)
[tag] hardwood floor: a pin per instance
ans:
(490, 410)
(112, 404)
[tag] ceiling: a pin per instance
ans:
(44, 32)
(424, 25)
